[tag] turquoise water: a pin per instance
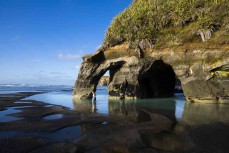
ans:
(104, 106)
(174, 108)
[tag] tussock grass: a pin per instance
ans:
(164, 23)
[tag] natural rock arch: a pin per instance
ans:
(129, 78)
(202, 67)
(90, 74)
(203, 74)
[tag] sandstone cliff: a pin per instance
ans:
(147, 65)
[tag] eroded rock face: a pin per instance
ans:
(204, 74)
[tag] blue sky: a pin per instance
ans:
(42, 41)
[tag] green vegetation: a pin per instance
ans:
(157, 23)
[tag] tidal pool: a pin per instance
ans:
(4, 115)
(53, 117)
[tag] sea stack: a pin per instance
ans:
(151, 45)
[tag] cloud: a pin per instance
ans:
(69, 56)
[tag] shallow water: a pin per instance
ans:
(175, 107)
(23, 102)
(102, 104)
(53, 117)
(63, 98)
(4, 115)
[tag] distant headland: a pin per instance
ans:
(104, 81)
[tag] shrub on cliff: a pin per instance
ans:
(170, 22)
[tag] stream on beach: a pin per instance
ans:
(173, 114)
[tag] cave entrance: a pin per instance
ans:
(158, 81)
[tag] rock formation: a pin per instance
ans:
(104, 81)
(145, 62)
(204, 73)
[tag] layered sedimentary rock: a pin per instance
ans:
(153, 43)
(204, 73)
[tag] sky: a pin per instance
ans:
(42, 41)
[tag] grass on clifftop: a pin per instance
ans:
(164, 23)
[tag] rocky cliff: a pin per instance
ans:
(204, 73)
(145, 67)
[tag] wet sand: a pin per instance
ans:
(41, 127)
(30, 130)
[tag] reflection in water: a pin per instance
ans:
(23, 102)
(83, 105)
(135, 121)
(120, 108)
(159, 123)
(130, 108)
(197, 113)
(107, 106)
(63, 98)
(4, 115)
(53, 117)
(172, 108)
(140, 123)
(93, 102)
